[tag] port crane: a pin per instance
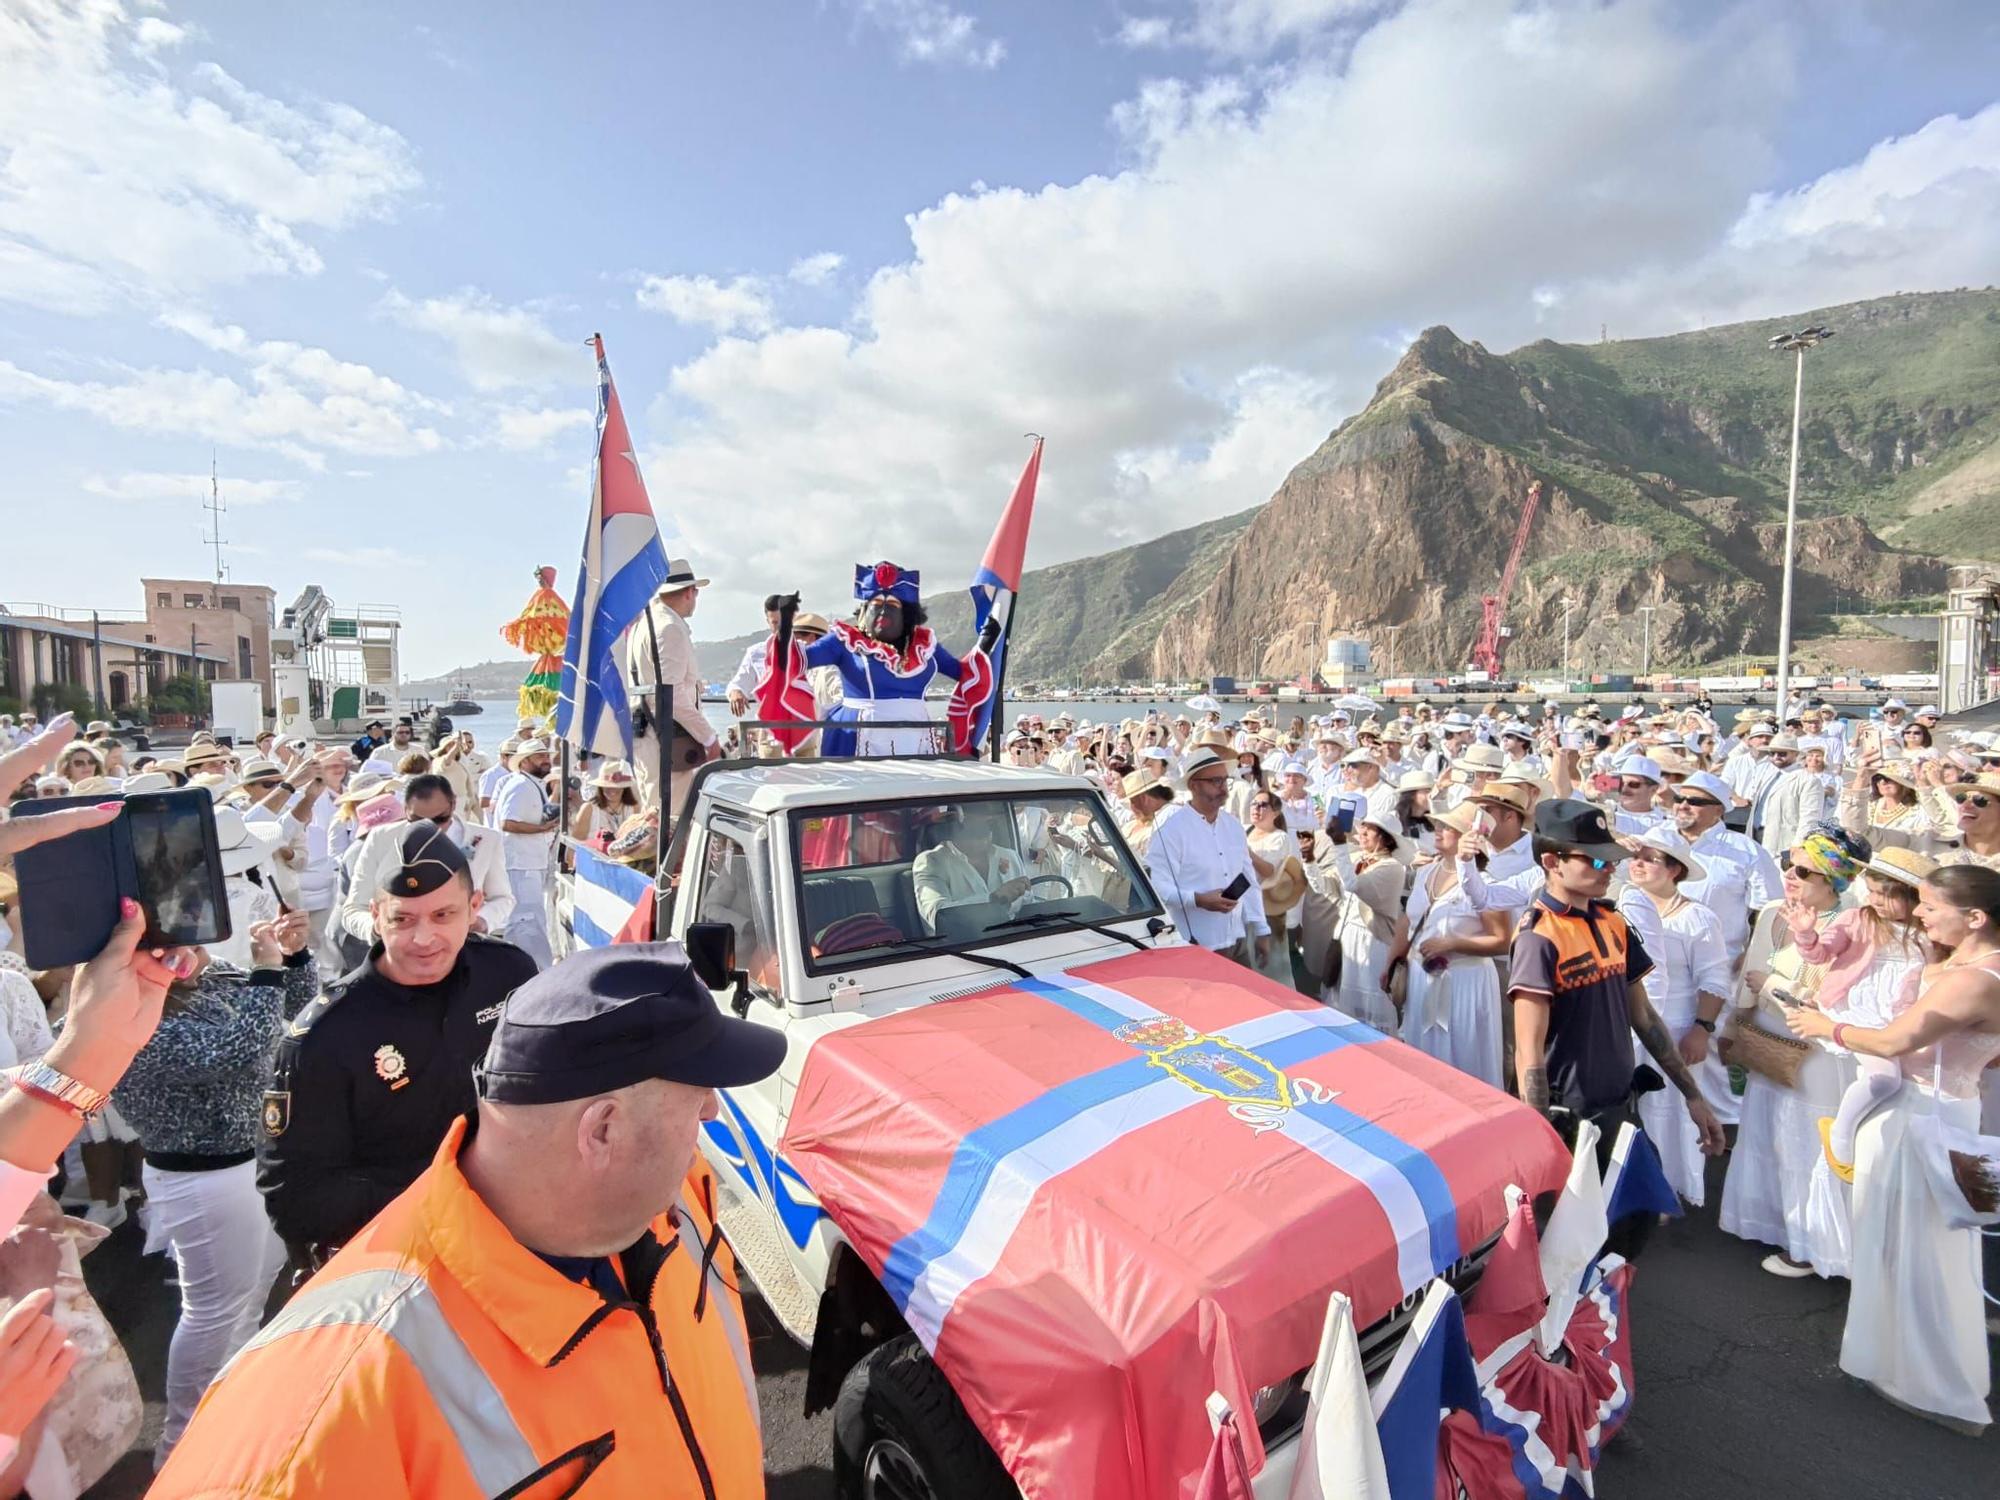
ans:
(1489, 652)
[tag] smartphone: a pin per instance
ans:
(1343, 818)
(1604, 781)
(1784, 997)
(1572, 740)
(1235, 889)
(160, 851)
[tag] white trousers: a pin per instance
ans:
(528, 924)
(227, 1256)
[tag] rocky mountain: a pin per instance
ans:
(1663, 464)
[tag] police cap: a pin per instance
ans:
(607, 1018)
(427, 861)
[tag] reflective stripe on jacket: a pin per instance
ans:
(435, 1356)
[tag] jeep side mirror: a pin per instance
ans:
(711, 949)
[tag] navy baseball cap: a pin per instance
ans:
(608, 1018)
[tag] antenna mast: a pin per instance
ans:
(216, 511)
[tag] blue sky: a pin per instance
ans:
(845, 253)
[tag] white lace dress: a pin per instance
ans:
(1767, 1195)
(1453, 1014)
(1916, 1319)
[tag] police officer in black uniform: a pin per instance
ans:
(371, 1075)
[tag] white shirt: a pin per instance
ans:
(1189, 854)
(380, 851)
(520, 800)
(1741, 880)
(489, 783)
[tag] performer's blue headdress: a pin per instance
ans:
(871, 582)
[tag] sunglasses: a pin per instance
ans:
(1789, 866)
(443, 819)
(1635, 785)
(1697, 801)
(1977, 799)
(1589, 859)
(1208, 781)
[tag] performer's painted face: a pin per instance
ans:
(884, 618)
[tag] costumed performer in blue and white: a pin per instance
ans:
(886, 664)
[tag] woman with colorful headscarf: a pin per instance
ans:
(1767, 1195)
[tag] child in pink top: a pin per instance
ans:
(1849, 946)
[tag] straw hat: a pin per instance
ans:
(202, 754)
(1905, 866)
(613, 773)
(1507, 793)
(1985, 781)
(94, 786)
(1666, 839)
(1284, 890)
(1417, 781)
(1480, 758)
(1461, 818)
(1143, 780)
(1387, 822)
(1892, 770)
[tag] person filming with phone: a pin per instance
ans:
(1201, 868)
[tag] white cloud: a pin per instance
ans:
(127, 173)
(1244, 28)
(525, 429)
(1186, 330)
(298, 400)
(931, 31)
(497, 347)
(742, 304)
(816, 270)
(144, 486)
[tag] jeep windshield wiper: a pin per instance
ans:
(944, 946)
(1071, 918)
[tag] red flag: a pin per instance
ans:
(1000, 568)
(1227, 1473)
(787, 696)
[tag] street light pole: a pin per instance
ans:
(1568, 605)
(1392, 629)
(1796, 345)
(1646, 659)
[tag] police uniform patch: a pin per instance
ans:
(390, 1067)
(277, 1111)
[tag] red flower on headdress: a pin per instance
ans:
(886, 574)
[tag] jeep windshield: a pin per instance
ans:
(900, 879)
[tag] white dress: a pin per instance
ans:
(1363, 932)
(1454, 1014)
(1767, 1194)
(1689, 958)
(1872, 1002)
(1916, 1319)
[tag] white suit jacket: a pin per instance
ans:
(678, 669)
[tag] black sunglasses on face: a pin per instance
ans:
(1589, 859)
(1789, 866)
(1977, 799)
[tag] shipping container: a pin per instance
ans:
(1222, 684)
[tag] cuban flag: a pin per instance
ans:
(1095, 1217)
(1432, 1373)
(970, 712)
(1636, 1183)
(623, 567)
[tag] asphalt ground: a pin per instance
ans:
(1738, 1387)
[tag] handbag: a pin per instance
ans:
(1778, 1058)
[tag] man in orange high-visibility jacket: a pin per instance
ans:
(550, 1306)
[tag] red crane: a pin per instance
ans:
(1489, 652)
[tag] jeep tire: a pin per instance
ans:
(899, 1433)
